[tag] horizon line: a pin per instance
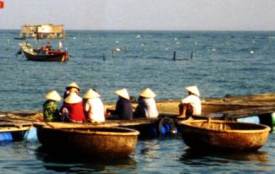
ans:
(152, 30)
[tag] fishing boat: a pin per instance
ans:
(223, 135)
(13, 131)
(45, 52)
(94, 142)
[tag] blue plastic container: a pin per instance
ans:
(6, 136)
(250, 119)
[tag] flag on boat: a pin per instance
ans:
(1, 4)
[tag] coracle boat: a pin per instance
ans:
(223, 135)
(95, 142)
(44, 52)
(13, 131)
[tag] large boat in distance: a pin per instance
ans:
(44, 52)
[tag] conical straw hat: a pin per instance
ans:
(73, 85)
(123, 93)
(147, 93)
(73, 98)
(193, 90)
(53, 95)
(91, 94)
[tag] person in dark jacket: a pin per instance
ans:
(123, 109)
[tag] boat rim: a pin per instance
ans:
(130, 132)
(264, 128)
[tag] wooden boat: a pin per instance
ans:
(95, 142)
(223, 135)
(13, 131)
(45, 52)
(210, 106)
(235, 105)
(148, 128)
(38, 55)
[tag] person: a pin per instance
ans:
(147, 107)
(72, 109)
(47, 48)
(123, 108)
(60, 45)
(50, 106)
(93, 106)
(190, 105)
(72, 87)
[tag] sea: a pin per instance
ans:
(220, 63)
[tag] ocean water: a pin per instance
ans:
(222, 63)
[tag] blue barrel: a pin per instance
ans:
(6, 136)
(165, 129)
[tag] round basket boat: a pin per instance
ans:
(94, 142)
(223, 135)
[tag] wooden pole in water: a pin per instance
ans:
(191, 55)
(174, 55)
(103, 57)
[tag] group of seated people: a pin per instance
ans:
(48, 49)
(90, 108)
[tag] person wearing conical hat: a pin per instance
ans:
(190, 105)
(72, 87)
(124, 108)
(93, 107)
(50, 106)
(147, 107)
(72, 109)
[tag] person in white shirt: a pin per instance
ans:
(190, 105)
(146, 105)
(93, 107)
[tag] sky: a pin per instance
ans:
(142, 14)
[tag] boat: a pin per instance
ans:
(94, 142)
(229, 105)
(37, 55)
(223, 135)
(45, 52)
(147, 128)
(13, 131)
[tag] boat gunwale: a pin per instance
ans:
(189, 124)
(14, 129)
(131, 132)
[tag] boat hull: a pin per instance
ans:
(223, 135)
(91, 142)
(55, 57)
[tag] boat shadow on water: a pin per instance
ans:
(200, 157)
(73, 162)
